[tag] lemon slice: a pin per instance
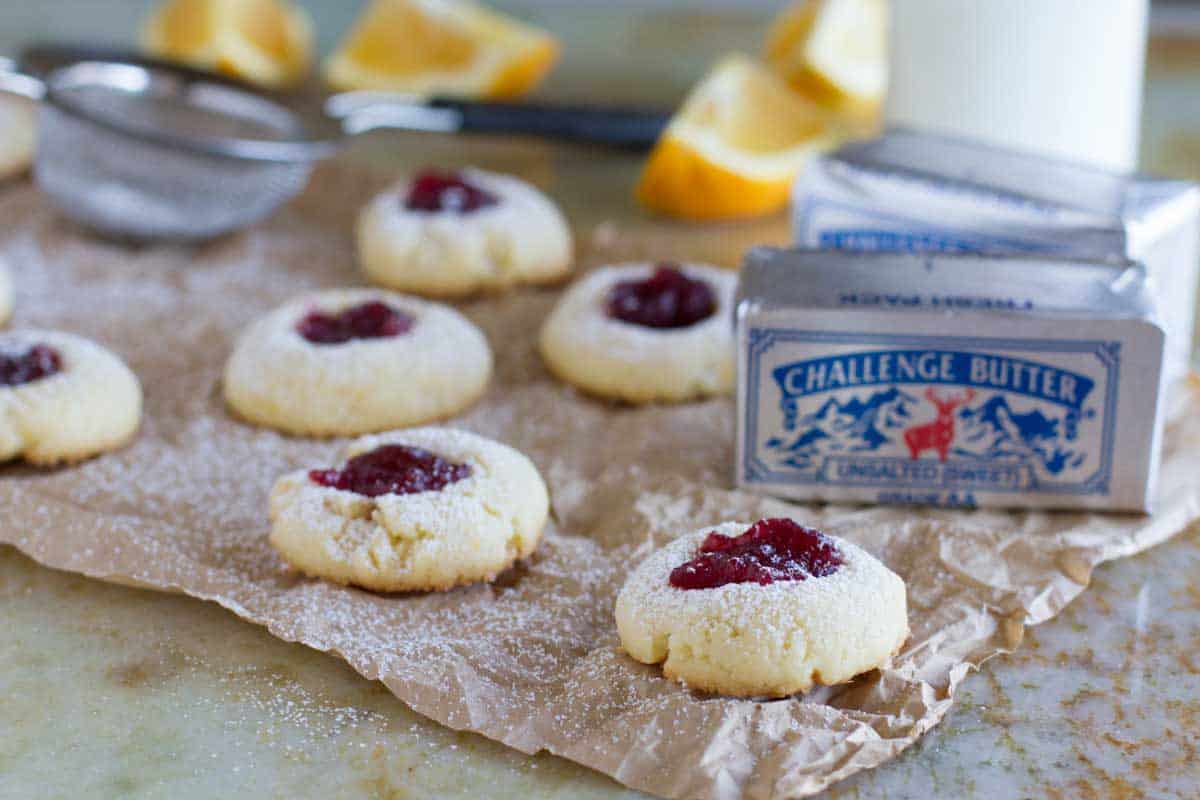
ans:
(452, 47)
(267, 42)
(18, 135)
(835, 51)
(735, 147)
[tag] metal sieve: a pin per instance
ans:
(136, 148)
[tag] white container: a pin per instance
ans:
(1056, 77)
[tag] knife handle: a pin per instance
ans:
(634, 129)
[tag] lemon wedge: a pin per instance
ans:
(735, 146)
(266, 42)
(834, 51)
(18, 135)
(452, 47)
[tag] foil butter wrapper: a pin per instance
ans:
(950, 380)
(913, 191)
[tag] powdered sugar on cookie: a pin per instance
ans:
(63, 398)
(585, 345)
(470, 528)
(456, 247)
(427, 363)
(750, 639)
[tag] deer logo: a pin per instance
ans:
(939, 434)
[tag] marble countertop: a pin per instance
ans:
(113, 692)
(107, 692)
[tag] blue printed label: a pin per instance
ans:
(830, 224)
(927, 367)
(929, 418)
(902, 241)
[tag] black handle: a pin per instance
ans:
(629, 128)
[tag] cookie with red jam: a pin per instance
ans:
(417, 510)
(63, 398)
(443, 233)
(643, 333)
(353, 361)
(762, 610)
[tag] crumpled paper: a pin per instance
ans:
(533, 659)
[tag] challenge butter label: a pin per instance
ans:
(932, 420)
(948, 419)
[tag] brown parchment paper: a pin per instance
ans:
(533, 660)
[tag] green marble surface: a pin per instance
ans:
(113, 692)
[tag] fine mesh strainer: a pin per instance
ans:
(136, 148)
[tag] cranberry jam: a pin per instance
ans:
(373, 320)
(438, 191)
(392, 469)
(39, 361)
(667, 299)
(771, 550)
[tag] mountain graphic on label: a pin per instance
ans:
(993, 430)
(892, 422)
(852, 426)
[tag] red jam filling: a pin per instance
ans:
(392, 469)
(373, 320)
(667, 299)
(446, 191)
(770, 550)
(39, 361)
